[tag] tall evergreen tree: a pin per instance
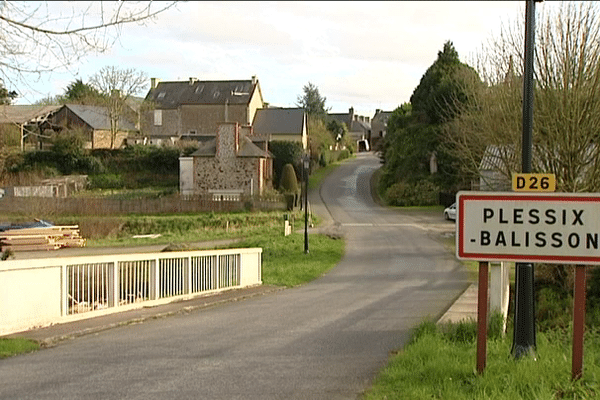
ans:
(312, 101)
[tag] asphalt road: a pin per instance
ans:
(323, 340)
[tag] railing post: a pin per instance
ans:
(64, 303)
(187, 283)
(218, 272)
(113, 284)
(154, 280)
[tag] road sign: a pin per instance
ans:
(522, 182)
(551, 228)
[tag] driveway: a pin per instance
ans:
(323, 340)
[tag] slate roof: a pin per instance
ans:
(247, 149)
(268, 121)
(172, 94)
(381, 117)
(24, 114)
(97, 117)
(353, 126)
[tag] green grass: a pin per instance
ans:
(183, 228)
(13, 346)
(286, 264)
(437, 365)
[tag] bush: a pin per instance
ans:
(285, 153)
(403, 194)
(289, 182)
(553, 309)
(106, 181)
(344, 154)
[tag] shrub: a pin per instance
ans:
(344, 154)
(285, 153)
(106, 181)
(289, 182)
(403, 194)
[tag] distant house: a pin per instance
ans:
(496, 159)
(186, 110)
(28, 120)
(95, 122)
(228, 166)
(359, 127)
(379, 126)
(286, 124)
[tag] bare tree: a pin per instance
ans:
(566, 101)
(117, 86)
(38, 38)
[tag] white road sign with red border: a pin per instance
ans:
(549, 228)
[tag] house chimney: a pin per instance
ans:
(154, 82)
(254, 79)
(228, 141)
(193, 80)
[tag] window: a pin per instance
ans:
(193, 132)
(161, 95)
(157, 117)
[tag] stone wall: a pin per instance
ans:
(228, 172)
(102, 139)
(213, 174)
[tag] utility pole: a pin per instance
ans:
(524, 339)
(306, 166)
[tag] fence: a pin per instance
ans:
(104, 206)
(41, 292)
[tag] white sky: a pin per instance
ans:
(365, 55)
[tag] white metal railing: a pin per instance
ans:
(40, 292)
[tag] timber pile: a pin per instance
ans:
(41, 238)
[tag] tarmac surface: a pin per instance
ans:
(464, 308)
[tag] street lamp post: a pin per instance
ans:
(306, 165)
(524, 337)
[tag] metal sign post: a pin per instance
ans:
(556, 228)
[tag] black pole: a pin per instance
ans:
(524, 340)
(305, 165)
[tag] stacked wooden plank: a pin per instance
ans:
(41, 238)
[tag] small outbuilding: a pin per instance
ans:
(228, 166)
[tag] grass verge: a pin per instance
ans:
(440, 364)
(286, 264)
(13, 346)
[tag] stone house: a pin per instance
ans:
(95, 123)
(285, 124)
(495, 160)
(228, 166)
(188, 110)
(379, 126)
(359, 127)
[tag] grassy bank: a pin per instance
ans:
(440, 363)
(11, 347)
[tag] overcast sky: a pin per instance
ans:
(367, 55)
